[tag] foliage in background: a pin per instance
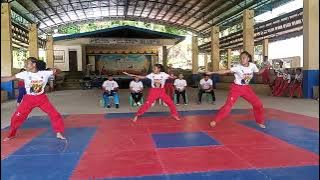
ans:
(19, 55)
(92, 26)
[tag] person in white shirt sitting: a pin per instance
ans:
(110, 88)
(136, 87)
(206, 86)
(180, 89)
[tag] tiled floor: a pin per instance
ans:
(110, 146)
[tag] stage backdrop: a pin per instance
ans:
(117, 63)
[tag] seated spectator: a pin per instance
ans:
(110, 88)
(180, 89)
(206, 86)
(284, 84)
(136, 87)
(297, 83)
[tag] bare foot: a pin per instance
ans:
(60, 136)
(176, 118)
(262, 126)
(8, 138)
(213, 123)
(135, 119)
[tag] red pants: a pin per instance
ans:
(169, 89)
(296, 86)
(247, 93)
(154, 94)
(29, 102)
(277, 84)
(266, 77)
(282, 89)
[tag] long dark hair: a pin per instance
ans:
(248, 54)
(40, 65)
(160, 66)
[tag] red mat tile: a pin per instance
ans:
(118, 164)
(197, 159)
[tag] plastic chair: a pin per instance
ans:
(175, 98)
(131, 102)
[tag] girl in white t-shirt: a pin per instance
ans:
(243, 73)
(35, 79)
(136, 87)
(157, 91)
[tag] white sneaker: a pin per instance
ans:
(177, 104)
(165, 104)
(134, 104)
(138, 103)
(186, 104)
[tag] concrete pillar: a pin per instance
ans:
(6, 40)
(215, 48)
(265, 47)
(195, 53)
(6, 48)
(248, 32)
(206, 61)
(165, 57)
(49, 51)
(310, 46)
(33, 41)
(229, 58)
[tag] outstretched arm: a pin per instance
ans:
(7, 79)
(220, 72)
(56, 71)
(263, 69)
(133, 75)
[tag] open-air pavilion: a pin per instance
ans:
(105, 144)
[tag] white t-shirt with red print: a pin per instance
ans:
(35, 82)
(158, 80)
(242, 74)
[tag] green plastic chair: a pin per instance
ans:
(175, 98)
(131, 102)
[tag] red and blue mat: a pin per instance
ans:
(157, 147)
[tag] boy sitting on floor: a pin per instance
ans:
(110, 88)
(136, 88)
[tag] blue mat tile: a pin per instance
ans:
(293, 173)
(183, 140)
(288, 173)
(46, 143)
(39, 167)
(302, 137)
(46, 157)
(182, 113)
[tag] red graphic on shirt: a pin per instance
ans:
(36, 86)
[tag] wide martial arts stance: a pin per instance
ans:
(157, 91)
(35, 79)
(243, 73)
